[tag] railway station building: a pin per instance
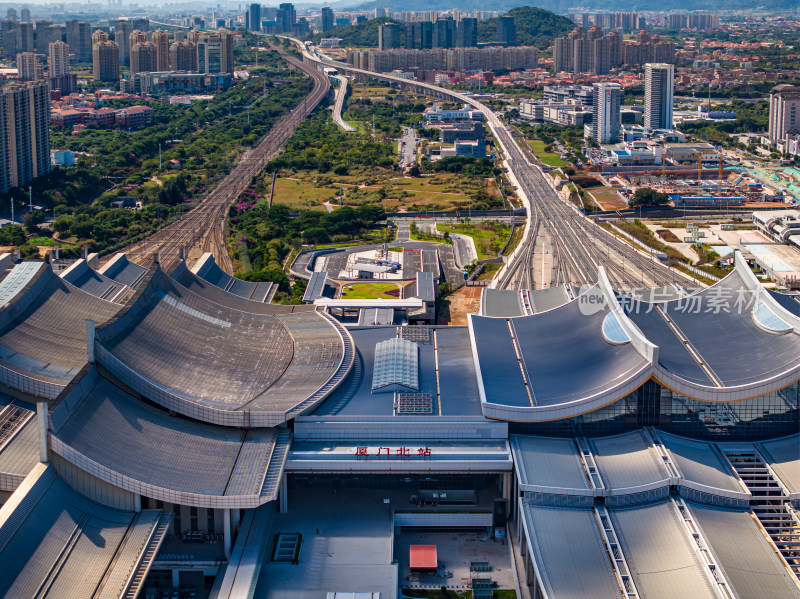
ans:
(175, 429)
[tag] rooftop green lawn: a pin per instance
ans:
(371, 291)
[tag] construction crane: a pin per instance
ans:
(699, 155)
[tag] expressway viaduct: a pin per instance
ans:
(560, 245)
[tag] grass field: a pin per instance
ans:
(489, 271)
(549, 158)
(301, 194)
(371, 291)
(444, 192)
(488, 238)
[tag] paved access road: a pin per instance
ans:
(579, 246)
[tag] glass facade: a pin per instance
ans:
(412, 481)
(773, 415)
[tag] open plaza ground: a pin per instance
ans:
(455, 552)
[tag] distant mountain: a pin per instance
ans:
(535, 26)
(363, 35)
(559, 6)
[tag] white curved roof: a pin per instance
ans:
(732, 341)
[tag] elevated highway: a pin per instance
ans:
(574, 245)
(338, 106)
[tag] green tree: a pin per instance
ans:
(647, 196)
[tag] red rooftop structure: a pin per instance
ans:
(422, 557)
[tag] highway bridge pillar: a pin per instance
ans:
(226, 531)
(42, 415)
(90, 340)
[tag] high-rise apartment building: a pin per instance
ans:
(25, 37)
(444, 33)
(183, 56)
(287, 17)
(17, 37)
(29, 67)
(46, 35)
(25, 15)
(784, 112)
(606, 112)
(141, 24)
(24, 133)
(215, 52)
(161, 41)
(136, 37)
(144, 58)
(419, 35)
(659, 89)
(58, 69)
(226, 35)
(57, 59)
(453, 59)
(105, 61)
(692, 21)
(648, 48)
(467, 33)
(122, 34)
(193, 36)
(254, 17)
(327, 21)
(99, 36)
(389, 36)
(79, 39)
(506, 31)
(8, 30)
(589, 52)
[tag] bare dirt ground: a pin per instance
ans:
(455, 308)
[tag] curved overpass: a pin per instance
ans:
(579, 246)
(338, 106)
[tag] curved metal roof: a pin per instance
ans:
(124, 271)
(165, 457)
(56, 543)
(207, 269)
(211, 292)
(81, 276)
(218, 364)
(729, 342)
(554, 364)
(43, 329)
(726, 342)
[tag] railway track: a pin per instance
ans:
(203, 227)
(579, 245)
